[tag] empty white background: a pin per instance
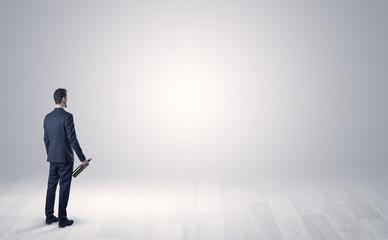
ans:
(198, 86)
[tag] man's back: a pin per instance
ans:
(60, 137)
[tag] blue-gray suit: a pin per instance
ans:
(60, 137)
(60, 140)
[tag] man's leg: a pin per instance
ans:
(51, 188)
(65, 173)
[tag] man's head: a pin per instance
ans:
(60, 97)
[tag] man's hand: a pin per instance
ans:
(85, 163)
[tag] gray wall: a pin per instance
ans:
(198, 86)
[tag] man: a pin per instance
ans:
(60, 140)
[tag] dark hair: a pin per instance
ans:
(59, 94)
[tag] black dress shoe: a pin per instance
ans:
(65, 223)
(52, 219)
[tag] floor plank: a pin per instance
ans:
(360, 208)
(262, 221)
(319, 227)
(285, 214)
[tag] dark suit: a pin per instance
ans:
(60, 140)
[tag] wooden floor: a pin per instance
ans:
(198, 209)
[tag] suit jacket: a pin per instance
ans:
(60, 137)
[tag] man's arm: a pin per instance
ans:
(70, 130)
(46, 137)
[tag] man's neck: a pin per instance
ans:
(59, 106)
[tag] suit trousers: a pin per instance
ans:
(61, 172)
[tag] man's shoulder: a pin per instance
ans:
(48, 115)
(58, 113)
(64, 112)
